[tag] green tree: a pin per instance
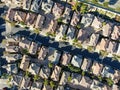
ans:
(25, 51)
(50, 65)
(36, 77)
(52, 84)
(83, 73)
(109, 81)
(76, 6)
(69, 78)
(27, 74)
(95, 1)
(106, 4)
(45, 82)
(36, 31)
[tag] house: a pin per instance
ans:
(36, 86)
(12, 49)
(75, 19)
(103, 44)
(76, 60)
(56, 73)
(39, 21)
(116, 77)
(71, 33)
(94, 39)
(75, 81)
(33, 48)
(30, 19)
(20, 16)
(65, 59)
(85, 83)
(86, 64)
(67, 14)
(108, 72)
(61, 31)
(96, 68)
(24, 43)
(10, 15)
(60, 88)
(35, 5)
(45, 72)
(118, 49)
(53, 55)
(13, 57)
(47, 6)
(25, 84)
(96, 85)
(47, 87)
(26, 4)
(87, 19)
(43, 53)
(107, 29)
(115, 87)
(57, 10)
(116, 33)
(34, 69)
(25, 62)
(84, 35)
(17, 79)
(112, 47)
(97, 23)
(64, 78)
(11, 68)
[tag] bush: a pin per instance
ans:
(69, 78)
(45, 82)
(36, 77)
(74, 69)
(52, 84)
(109, 81)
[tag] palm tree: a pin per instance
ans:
(75, 5)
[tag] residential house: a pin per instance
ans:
(47, 87)
(65, 59)
(118, 49)
(64, 78)
(25, 43)
(25, 62)
(103, 44)
(10, 15)
(13, 57)
(33, 48)
(57, 10)
(60, 88)
(25, 84)
(47, 5)
(35, 5)
(112, 47)
(84, 35)
(43, 53)
(96, 68)
(39, 21)
(76, 60)
(45, 72)
(116, 33)
(60, 33)
(94, 39)
(53, 55)
(97, 23)
(71, 33)
(115, 87)
(36, 86)
(96, 85)
(116, 77)
(86, 64)
(67, 14)
(20, 16)
(56, 73)
(85, 83)
(108, 72)
(12, 49)
(107, 29)
(16, 79)
(26, 4)
(75, 19)
(11, 68)
(34, 69)
(87, 19)
(30, 19)
(75, 81)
